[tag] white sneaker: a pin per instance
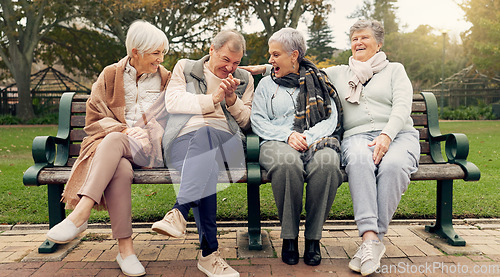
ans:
(130, 266)
(355, 263)
(371, 255)
(65, 231)
(214, 265)
(172, 225)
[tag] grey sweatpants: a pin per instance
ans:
(377, 189)
(288, 174)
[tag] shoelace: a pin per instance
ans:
(219, 261)
(367, 252)
(359, 252)
(169, 217)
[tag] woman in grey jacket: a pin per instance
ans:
(296, 112)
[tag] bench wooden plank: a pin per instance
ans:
(60, 175)
(78, 121)
(78, 107)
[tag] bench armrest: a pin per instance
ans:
(50, 151)
(456, 144)
(253, 147)
(252, 155)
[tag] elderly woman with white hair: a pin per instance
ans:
(297, 114)
(381, 147)
(124, 122)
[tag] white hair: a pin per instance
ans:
(145, 37)
(291, 40)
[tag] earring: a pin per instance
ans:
(293, 66)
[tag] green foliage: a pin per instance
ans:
(482, 40)
(343, 57)
(421, 52)
(381, 10)
(320, 39)
(80, 50)
(50, 118)
(9, 120)
(277, 14)
(257, 49)
(468, 113)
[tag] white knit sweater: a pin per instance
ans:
(385, 102)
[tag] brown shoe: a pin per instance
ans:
(172, 225)
(214, 265)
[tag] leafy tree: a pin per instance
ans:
(22, 24)
(381, 10)
(277, 14)
(482, 40)
(189, 26)
(343, 57)
(320, 38)
(80, 50)
(257, 50)
(421, 52)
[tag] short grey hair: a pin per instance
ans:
(291, 40)
(145, 37)
(374, 25)
(235, 39)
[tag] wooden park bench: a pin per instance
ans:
(54, 156)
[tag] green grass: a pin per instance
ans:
(20, 204)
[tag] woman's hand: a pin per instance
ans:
(381, 144)
(298, 141)
(254, 69)
(136, 132)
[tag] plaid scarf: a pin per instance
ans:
(313, 104)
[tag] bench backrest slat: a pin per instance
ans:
(419, 116)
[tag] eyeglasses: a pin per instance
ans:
(289, 94)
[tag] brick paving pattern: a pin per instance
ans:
(410, 252)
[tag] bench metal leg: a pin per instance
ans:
(56, 215)
(444, 214)
(254, 228)
(253, 198)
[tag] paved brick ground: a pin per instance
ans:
(410, 252)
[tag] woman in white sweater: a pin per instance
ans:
(380, 148)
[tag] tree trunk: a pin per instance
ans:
(25, 106)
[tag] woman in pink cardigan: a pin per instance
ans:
(124, 124)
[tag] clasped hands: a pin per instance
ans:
(298, 141)
(226, 91)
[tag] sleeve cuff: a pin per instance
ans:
(237, 106)
(268, 70)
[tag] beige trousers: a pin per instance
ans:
(110, 178)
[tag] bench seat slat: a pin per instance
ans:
(60, 175)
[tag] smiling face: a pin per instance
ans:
(281, 60)
(147, 62)
(364, 45)
(224, 61)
